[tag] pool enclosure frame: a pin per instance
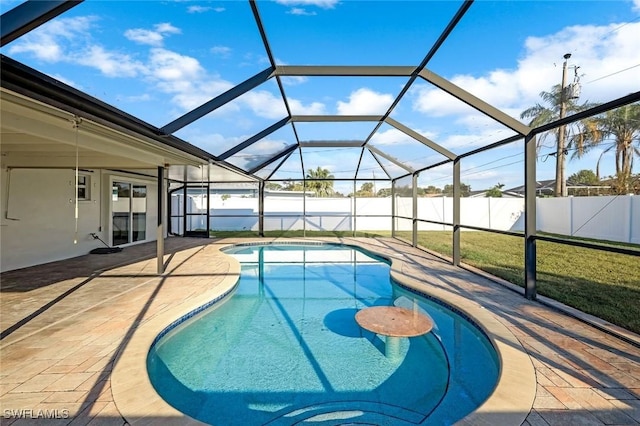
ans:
(25, 81)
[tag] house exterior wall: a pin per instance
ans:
(38, 223)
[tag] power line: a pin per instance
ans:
(613, 73)
(623, 25)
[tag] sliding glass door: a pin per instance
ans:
(129, 213)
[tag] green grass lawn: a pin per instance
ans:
(600, 283)
(603, 284)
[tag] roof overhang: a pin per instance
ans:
(35, 134)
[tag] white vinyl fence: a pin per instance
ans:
(613, 218)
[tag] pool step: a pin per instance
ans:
(350, 412)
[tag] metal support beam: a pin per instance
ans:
(255, 138)
(414, 74)
(261, 208)
(304, 208)
(273, 172)
(334, 118)
(456, 212)
(343, 71)
(272, 159)
(475, 102)
(355, 175)
(530, 217)
(18, 21)
(414, 209)
(331, 144)
(184, 204)
(395, 161)
(384, 169)
(354, 208)
(393, 208)
(272, 60)
(598, 109)
(208, 208)
(217, 102)
(417, 136)
(263, 34)
(160, 227)
(301, 162)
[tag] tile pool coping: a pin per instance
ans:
(509, 404)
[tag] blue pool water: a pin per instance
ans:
(285, 348)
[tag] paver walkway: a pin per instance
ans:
(64, 323)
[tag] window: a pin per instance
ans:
(84, 187)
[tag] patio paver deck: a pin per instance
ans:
(63, 325)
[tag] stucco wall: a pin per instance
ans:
(38, 223)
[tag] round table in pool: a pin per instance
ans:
(393, 322)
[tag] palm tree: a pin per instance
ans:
(549, 112)
(324, 187)
(619, 130)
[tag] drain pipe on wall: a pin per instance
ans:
(8, 193)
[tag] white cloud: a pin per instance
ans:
(45, 49)
(145, 97)
(268, 146)
(190, 95)
(636, 5)
(300, 11)
(198, 9)
(219, 9)
(294, 80)
(51, 41)
(323, 4)
(167, 28)
(251, 59)
(473, 139)
(168, 65)
(223, 51)
(139, 35)
(151, 37)
(184, 77)
(265, 104)
(111, 64)
(598, 50)
(212, 142)
(314, 108)
(365, 101)
(180, 76)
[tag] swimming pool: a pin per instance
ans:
(286, 349)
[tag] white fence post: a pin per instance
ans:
(631, 218)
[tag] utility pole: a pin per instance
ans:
(561, 183)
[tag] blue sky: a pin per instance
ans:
(158, 60)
